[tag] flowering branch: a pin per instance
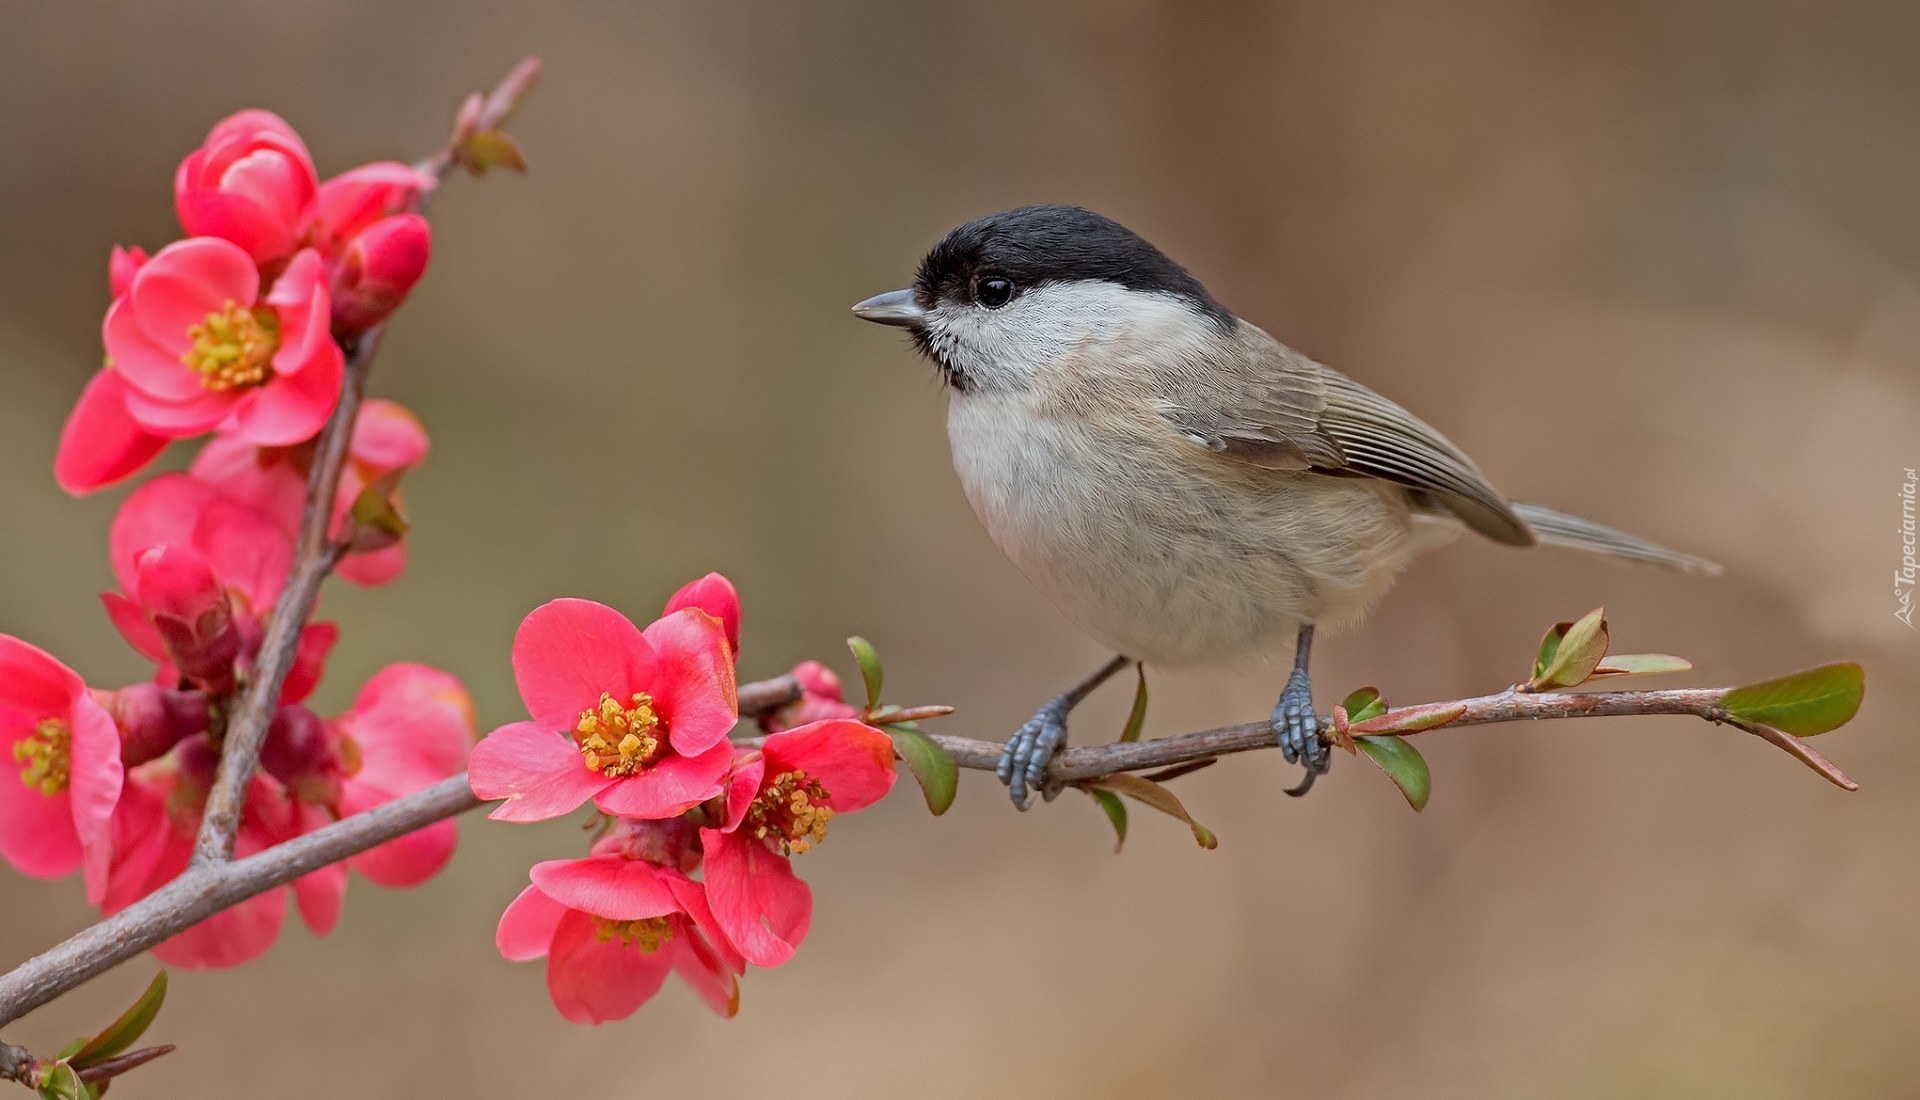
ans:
(209, 888)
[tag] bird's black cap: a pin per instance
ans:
(1035, 245)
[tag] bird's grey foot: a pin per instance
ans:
(1023, 764)
(1297, 729)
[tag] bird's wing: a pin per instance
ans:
(1278, 409)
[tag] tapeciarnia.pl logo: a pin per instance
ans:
(1904, 577)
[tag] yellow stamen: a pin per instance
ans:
(790, 813)
(233, 348)
(616, 740)
(46, 756)
(648, 935)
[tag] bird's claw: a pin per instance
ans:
(1297, 729)
(1023, 763)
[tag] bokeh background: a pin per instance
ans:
(1657, 263)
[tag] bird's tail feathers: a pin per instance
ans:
(1560, 529)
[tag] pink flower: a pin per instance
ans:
(388, 441)
(819, 700)
(356, 199)
(57, 806)
(611, 927)
(636, 721)
(246, 554)
(252, 183)
(199, 346)
(715, 595)
(779, 801)
(410, 727)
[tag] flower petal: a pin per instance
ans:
(764, 908)
(131, 622)
(299, 299)
(164, 511)
(593, 982)
(102, 443)
(715, 595)
(743, 785)
(670, 787)
(538, 772)
(180, 419)
(693, 682)
(36, 832)
(33, 682)
(407, 860)
(607, 886)
(852, 760)
(309, 661)
(292, 408)
(145, 366)
(701, 967)
(567, 652)
(95, 779)
(228, 938)
(526, 928)
(184, 282)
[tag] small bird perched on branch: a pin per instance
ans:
(1186, 488)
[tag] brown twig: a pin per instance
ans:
(315, 555)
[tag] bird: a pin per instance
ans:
(1182, 486)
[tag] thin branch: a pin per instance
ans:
(315, 555)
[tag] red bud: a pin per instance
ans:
(189, 608)
(379, 268)
(302, 751)
(152, 719)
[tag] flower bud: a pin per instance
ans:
(152, 719)
(673, 842)
(189, 608)
(820, 699)
(122, 265)
(251, 182)
(302, 751)
(715, 595)
(378, 269)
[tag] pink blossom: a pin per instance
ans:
(611, 928)
(715, 595)
(410, 727)
(388, 442)
(378, 268)
(200, 346)
(636, 721)
(252, 183)
(819, 700)
(57, 806)
(354, 200)
(243, 550)
(779, 801)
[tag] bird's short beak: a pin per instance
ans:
(895, 307)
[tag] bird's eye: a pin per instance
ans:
(994, 292)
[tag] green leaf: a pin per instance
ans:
(63, 1083)
(1364, 704)
(1425, 716)
(1403, 764)
(869, 659)
(1136, 719)
(1571, 651)
(1116, 813)
(1640, 664)
(491, 149)
(125, 1031)
(932, 765)
(1803, 704)
(1160, 798)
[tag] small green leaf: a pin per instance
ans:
(1640, 664)
(63, 1083)
(1157, 796)
(932, 766)
(125, 1031)
(1116, 813)
(1425, 716)
(1804, 703)
(1403, 764)
(490, 149)
(1576, 652)
(1137, 718)
(1364, 704)
(869, 659)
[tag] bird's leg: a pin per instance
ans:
(1295, 725)
(1023, 764)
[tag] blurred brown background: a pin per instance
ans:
(1654, 263)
